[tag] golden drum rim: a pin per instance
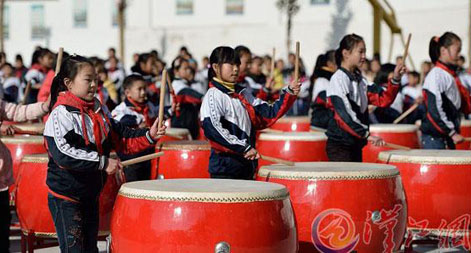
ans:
(411, 156)
(204, 191)
(197, 145)
(36, 158)
(23, 139)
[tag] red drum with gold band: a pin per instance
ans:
(19, 146)
(31, 199)
(465, 130)
(293, 124)
(296, 147)
(203, 215)
(341, 207)
(400, 134)
(184, 159)
(437, 186)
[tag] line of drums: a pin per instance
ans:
(315, 206)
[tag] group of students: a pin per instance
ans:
(82, 129)
(345, 102)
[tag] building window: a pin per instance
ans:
(234, 7)
(38, 28)
(80, 13)
(6, 22)
(184, 7)
(316, 2)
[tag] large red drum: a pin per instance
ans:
(465, 130)
(184, 159)
(19, 146)
(31, 199)
(341, 207)
(296, 147)
(437, 185)
(203, 215)
(293, 124)
(400, 134)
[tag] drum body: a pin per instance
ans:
(400, 134)
(32, 204)
(437, 186)
(296, 147)
(360, 206)
(198, 215)
(293, 124)
(184, 159)
(19, 146)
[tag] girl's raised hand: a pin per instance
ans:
(295, 87)
(399, 71)
(155, 132)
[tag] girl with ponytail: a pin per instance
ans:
(444, 95)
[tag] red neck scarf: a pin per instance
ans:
(464, 93)
(40, 68)
(87, 108)
(141, 108)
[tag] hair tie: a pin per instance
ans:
(436, 39)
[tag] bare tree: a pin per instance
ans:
(292, 8)
(339, 23)
(2, 4)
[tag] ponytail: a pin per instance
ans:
(446, 40)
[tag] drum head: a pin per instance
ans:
(186, 145)
(293, 136)
(178, 131)
(36, 158)
(329, 171)
(393, 128)
(204, 190)
(20, 139)
(295, 119)
(426, 156)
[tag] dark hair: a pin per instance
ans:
(143, 58)
(257, 58)
(18, 57)
(348, 42)
(70, 67)
(330, 57)
(112, 49)
(64, 56)
(7, 64)
(383, 73)
(130, 80)
(241, 50)
(221, 55)
(446, 40)
(462, 58)
(176, 64)
(38, 54)
(415, 74)
(321, 61)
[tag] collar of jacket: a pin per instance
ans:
(355, 76)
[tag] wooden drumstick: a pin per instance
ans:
(467, 138)
(406, 113)
(272, 70)
(162, 97)
(59, 61)
(406, 49)
(276, 160)
(170, 86)
(296, 64)
(141, 159)
(395, 146)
